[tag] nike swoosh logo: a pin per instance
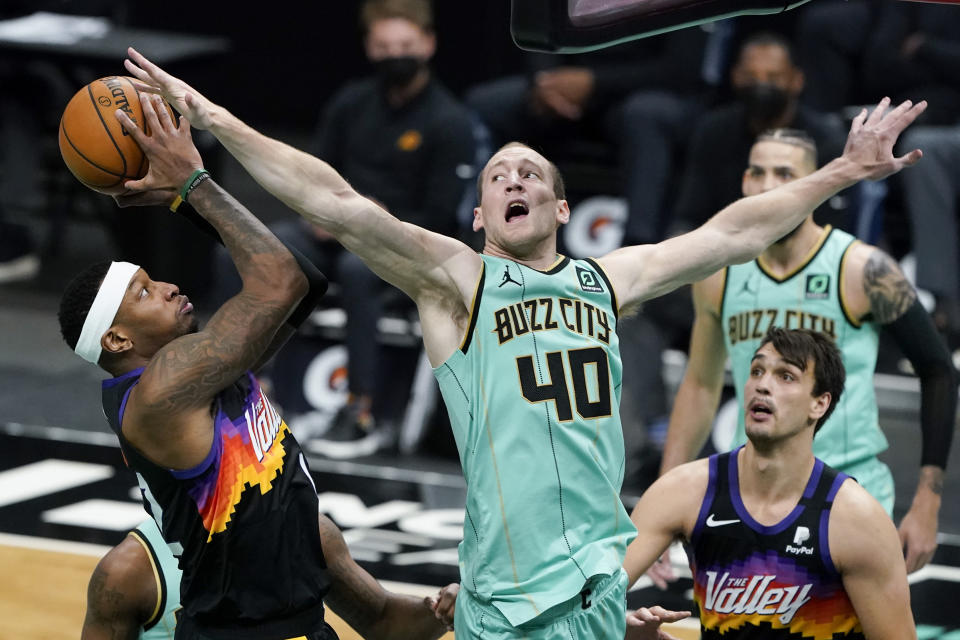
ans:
(718, 523)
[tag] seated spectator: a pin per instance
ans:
(767, 84)
(401, 138)
(914, 50)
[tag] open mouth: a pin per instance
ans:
(516, 210)
(186, 307)
(760, 410)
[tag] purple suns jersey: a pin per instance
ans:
(242, 523)
(756, 581)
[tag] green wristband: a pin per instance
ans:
(193, 182)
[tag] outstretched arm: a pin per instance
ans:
(742, 230)
(699, 391)
(366, 606)
(413, 259)
(891, 301)
(121, 594)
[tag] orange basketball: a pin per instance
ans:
(93, 143)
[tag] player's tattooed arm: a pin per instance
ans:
(888, 290)
(931, 477)
(191, 370)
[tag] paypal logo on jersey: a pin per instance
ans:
(801, 535)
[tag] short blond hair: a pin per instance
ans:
(559, 189)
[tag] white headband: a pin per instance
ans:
(104, 309)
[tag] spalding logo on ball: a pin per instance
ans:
(93, 143)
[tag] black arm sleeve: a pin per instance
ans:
(918, 339)
(316, 279)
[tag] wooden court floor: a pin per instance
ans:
(43, 592)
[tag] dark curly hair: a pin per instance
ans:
(77, 299)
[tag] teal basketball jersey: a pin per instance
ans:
(533, 395)
(163, 623)
(809, 298)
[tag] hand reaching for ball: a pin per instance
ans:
(169, 148)
(183, 97)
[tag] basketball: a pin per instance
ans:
(93, 143)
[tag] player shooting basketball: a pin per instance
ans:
(530, 372)
(218, 468)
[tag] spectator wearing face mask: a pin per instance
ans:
(767, 84)
(398, 137)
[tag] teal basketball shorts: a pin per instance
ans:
(601, 613)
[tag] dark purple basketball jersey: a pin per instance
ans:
(756, 581)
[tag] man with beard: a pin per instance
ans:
(822, 279)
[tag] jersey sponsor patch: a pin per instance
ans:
(818, 286)
(589, 281)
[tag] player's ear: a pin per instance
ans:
(563, 211)
(820, 404)
(477, 219)
(116, 340)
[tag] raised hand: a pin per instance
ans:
(178, 93)
(872, 137)
(169, 149)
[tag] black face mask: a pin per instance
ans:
(397, 72)
(763, 101)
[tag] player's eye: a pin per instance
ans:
(531, 174)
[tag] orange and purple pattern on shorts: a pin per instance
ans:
(771, 591)
(248, 456)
